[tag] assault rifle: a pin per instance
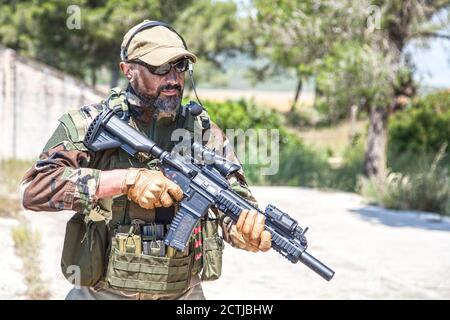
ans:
(204, 185)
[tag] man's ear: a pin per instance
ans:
(126, 69)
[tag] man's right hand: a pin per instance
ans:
(150, 188)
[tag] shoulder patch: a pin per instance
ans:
(60, 135)
(77, 121)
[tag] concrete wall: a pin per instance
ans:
(32, 98)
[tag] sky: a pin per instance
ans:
(433, 64)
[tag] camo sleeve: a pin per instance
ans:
(60, 179)
(219, 142)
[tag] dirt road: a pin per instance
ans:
(376, 253)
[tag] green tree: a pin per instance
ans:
(357, 50)
(354, 74)
(401, 23)
(213, 32)
(39, 29)
(297, 35)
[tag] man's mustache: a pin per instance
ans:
(169, 87)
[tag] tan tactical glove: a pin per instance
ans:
(150, 188)
(248, 233)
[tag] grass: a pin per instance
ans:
(11, 174)
(9, 206)
(334, 139)
(425, 189)
(27, 244)
(276, 100)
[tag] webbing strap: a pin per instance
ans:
(151, 269)
(139, 285)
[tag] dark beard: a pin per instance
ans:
(162, 104)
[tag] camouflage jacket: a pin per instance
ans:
(66, 176)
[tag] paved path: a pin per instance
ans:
(376, 253)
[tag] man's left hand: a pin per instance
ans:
(248, 233)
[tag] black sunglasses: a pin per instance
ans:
(179, 66)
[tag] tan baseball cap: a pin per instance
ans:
(155, 46)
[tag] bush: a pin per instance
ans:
(422, 191)
(419, 132)
(418, 158)
(346, 177)
(244, 115)
(299, 165)
(425, 188)
(439, 101)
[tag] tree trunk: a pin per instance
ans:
(93, 77)
(353, 120)
(375, 156)
(114, 75)
(297, 93)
